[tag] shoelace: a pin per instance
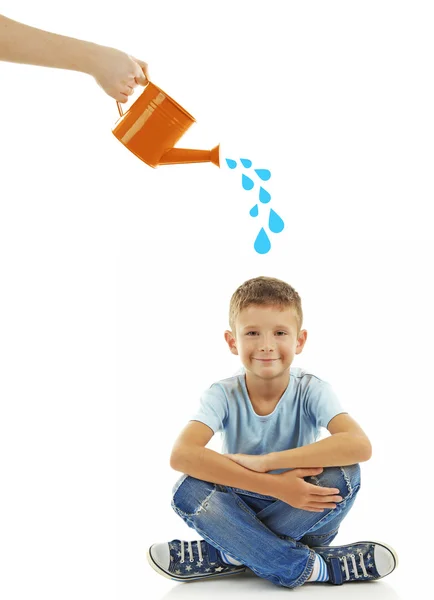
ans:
(190, 551)
(353, 560)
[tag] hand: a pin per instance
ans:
(118, 73)
(254, 462)
(292, 489)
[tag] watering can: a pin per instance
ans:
(151, 127)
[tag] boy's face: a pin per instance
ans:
(266, 339)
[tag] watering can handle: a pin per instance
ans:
(120, 109)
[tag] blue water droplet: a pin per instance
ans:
(254, 211)
(275, 223)
(247, 182)
(246, 162)
(262, 243)
(264, 196)
(231, 163)
(263, 174)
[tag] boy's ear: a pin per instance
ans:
(301, 340)
(231, 342)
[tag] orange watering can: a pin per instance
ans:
(151, 127)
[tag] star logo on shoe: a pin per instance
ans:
(188, 568)
(218, 569)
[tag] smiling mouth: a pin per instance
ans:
(267, 359)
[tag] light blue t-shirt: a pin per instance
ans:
(307, 404)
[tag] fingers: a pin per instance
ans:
(321, 491)
(126, 91)
(328, 497)
(144, 67)
(141, 79)
(319, 506)
(142, 72)
(139, 76)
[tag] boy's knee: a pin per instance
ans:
(346, 479)
(190, 495)
(352, 477)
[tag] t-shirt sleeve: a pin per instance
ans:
(213, 408)
(322, 404)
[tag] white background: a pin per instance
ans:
(116, 278)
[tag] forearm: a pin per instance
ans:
(336, 450)
(208, 465)
(21, 43)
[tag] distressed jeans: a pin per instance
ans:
(270, 537)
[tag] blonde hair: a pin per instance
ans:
(266, 291)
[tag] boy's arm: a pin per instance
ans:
(115, 71)
(22, 43)
(347, 445)
(190, 456)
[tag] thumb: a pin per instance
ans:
(142, 75)
(307, 472)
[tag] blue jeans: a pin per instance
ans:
(268, 536)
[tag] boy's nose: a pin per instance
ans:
(267, 344)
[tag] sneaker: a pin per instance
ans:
(189, 561)
(362, 561)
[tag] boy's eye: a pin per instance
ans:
(279, 333)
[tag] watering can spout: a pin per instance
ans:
(179, 156)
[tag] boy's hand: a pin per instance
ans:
(117, 72)
(254, 462)
(292, 489)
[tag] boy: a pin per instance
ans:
(275, 500)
